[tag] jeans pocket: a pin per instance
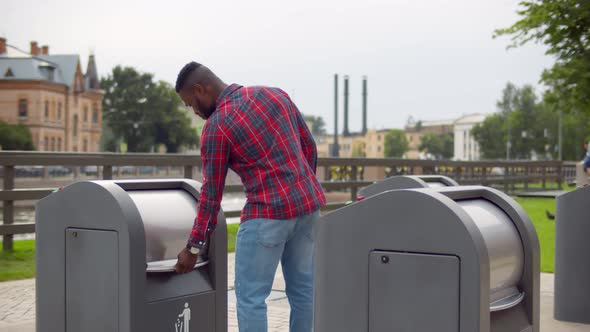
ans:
(272, 233)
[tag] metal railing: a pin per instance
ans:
(336, 174)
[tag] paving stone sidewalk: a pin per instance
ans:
(17, 306)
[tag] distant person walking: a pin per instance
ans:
(259, 133)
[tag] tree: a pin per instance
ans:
(440, 146)
(15, 137)
(525, 136)
(490, 136)
(396, 143)
(564, 27)
(172, 125)
(125, 108)
(576, 128)
(143, 113)
(418, 127)
(108, 141)
(532, 127)
(318, 126)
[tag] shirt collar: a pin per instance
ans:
(226, 93)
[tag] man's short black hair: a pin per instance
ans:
(184, 74)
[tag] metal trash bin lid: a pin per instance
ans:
(505, 251)
(168, 217)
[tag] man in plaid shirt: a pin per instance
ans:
(260, 134)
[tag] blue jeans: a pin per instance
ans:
(260, 245)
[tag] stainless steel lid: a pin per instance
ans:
(168, 217)
(505, 251)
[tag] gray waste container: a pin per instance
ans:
(407, 182)
(461, 259)
(572, 256)
(105, 257)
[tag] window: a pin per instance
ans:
(379, 137)
(46, 109)
(46, 144)
(53, 144)
(95, 113)
(22, 109)
(59, 111)
(85, 145)
(59, 144)
(379, 149)
(85, 116)
(76, 125)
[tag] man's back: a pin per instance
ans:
(271, 149)
(259, 133)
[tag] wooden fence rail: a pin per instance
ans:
(335, 174)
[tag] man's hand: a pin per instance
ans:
(186, 261)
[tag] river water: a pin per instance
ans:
(230, 202)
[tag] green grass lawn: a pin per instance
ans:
(20, 264)
(232, 232)
(535, 208)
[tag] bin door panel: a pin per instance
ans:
(92, 268)
(411, 292)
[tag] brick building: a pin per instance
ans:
(50, 94)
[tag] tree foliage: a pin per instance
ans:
(563, 26)
(15, 137)
(396, 143)
(172, 126)
(439, 146)
(144, 113)
(318, 125)
(532, 125)
(490, 136)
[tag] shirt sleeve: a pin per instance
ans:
(215, 158)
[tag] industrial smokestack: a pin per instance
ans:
(345, 132)
(336, 147)
(364, 104)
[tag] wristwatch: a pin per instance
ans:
(193, 250)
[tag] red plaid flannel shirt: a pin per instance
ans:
(260, 134)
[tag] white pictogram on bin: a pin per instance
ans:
(183, 320)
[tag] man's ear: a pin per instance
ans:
(199, 89)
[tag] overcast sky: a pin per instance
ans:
(431, 59)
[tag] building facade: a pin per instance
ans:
(355, 145)
(415, 131)
(466, 147)
(51, 95)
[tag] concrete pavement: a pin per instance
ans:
(17, 306)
